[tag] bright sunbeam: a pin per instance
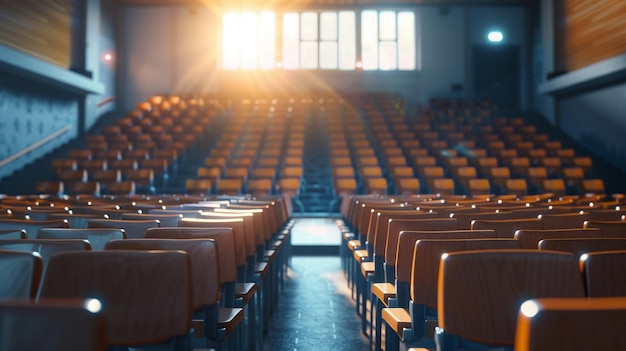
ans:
(230, 41)
(248, 30)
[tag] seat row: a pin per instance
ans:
(380, 259)
(143, 146)
(394, 153)
(252, 237)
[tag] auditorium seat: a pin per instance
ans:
(198, 186)
(31, 227)
(70, 325)
(414, 322)
(603, 273)
(96, 237)
(530, 238)
(506, 228)
(133, 228)
(20, 273)
(609, 229)
(123, 281)
(51, 187)
(469, 315)
(203, 254)
(575, 324)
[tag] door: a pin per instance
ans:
(497, 74)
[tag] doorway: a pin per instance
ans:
(497, 72)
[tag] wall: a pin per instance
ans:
(38, 99)
(512, 23)
(102, 38)
(597, 119)
(28, 115)
(175, 50)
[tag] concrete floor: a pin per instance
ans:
(315, 311)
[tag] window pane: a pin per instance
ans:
(369, 40)
(387, 25)
(406, 41)
(230, 41)
(388, 55)
(328, 55)
(248, 40)
(308, 52)
(328, 26)
(291, 41)
(267, 40)
(308, 28)
(347, 40)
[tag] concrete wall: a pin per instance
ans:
(39, 100)
(597, 119)
(176, 50)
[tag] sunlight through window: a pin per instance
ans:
(291, 41)
(407, 55)
(319, 40)
(230, 41)
(347, 40)
(388, 40)
(308, 36)
(369, 40)
(267, 40)
(248, 40)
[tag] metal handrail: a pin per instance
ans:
(36, 145)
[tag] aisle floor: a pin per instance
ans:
(315, 310)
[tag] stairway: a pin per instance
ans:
(192, 159)
(316, 191)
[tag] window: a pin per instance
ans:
(248, 40)
(325, 40)
(388, 40)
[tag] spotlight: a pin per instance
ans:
(495, 37)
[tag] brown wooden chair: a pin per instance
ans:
(10, 234)
(70, 325)
(592, 186)
(603, 272)
(574, 324)
(442, 186)
(375, 185)
(20, 274)
(229, 186)
(486, 313)
(553, 186)
(126, 187)
(465, 218)
(147, 295)
(198, 186)
(413, 321)
(31, 227)
(133, 228)
(203, 254)
(288, 186)
(45, 247)
(49, 187)
(96, 237)
(579, 246)
(85, 188)
(529, 239)
(506, 228)
(609, 229)
(478, 186)
(407, 186)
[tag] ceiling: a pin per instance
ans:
(320, 3)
